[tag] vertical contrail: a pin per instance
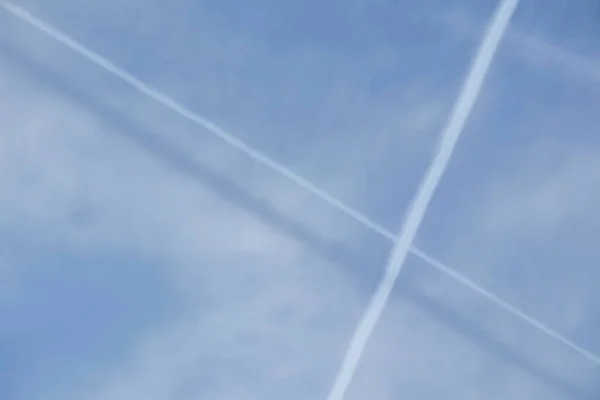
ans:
(416, 211)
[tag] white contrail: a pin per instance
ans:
(192, 116)
(416, 211)
(259, 157)
(506, 306)
(534, 50)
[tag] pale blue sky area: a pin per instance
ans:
(142, 258)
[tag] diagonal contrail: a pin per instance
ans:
(416, 211)
(190, 115)
(279, 168)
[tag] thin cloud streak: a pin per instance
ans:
(445, 314)
(577, 65)
(259, 157)
(509, 308)
(188, 114)
(536, 50)
(418, 207)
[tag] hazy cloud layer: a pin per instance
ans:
(141, 258)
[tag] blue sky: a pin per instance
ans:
(141, 258)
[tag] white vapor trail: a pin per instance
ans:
(416, 211)
(279, 168)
